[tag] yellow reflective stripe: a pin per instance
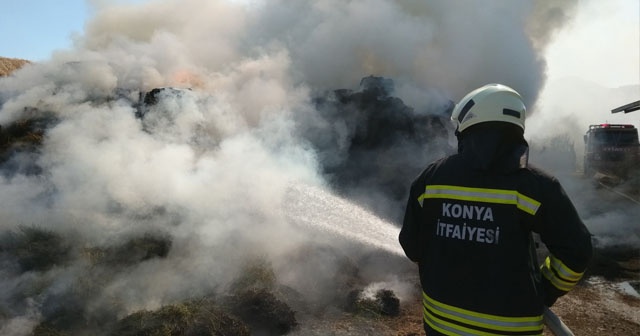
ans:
(555, 275)
(497, 196)
(556, 282)
(482, 320)
(564, 271)
(451, 329)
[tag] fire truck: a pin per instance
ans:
(612, 149)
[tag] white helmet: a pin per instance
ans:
(492, 102)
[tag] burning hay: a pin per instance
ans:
(178, 140)
(35, 249)
(199, 317)
(262, 311)
(383, 302)
(254, 302)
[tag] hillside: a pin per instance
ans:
(9, 65)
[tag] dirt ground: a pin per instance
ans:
(599, 308)
(596, 308)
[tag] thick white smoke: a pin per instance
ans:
(556, 133)
(334, 43)
(213, 165)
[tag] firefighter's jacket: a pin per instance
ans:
(468, 225)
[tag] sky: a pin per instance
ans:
(602, 32)
(32, 29)
(602, 44)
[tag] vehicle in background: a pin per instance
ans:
(612, 150)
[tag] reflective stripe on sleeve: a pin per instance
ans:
(497, 196)
(560, 276)
(451, 320)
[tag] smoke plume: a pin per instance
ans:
(279, 120)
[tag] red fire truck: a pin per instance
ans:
(612, 149)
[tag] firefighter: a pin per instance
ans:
(469, 223)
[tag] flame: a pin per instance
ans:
(186, 78)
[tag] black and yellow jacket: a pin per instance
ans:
(468, 225)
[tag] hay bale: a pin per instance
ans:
(133, 251)
(44, 330)
(324, 275)
(190, 318)
(384, 302)
(255, 273)
(35, 249)
(21, 140)
(263, 312)
(62, 314)
(388, 302)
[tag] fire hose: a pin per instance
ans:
(555, 324)
(619, 193)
